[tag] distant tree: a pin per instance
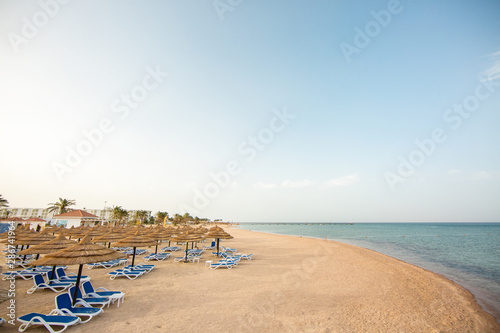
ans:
(3, 202)
(177, 219)
(141, 215)
(120, 214)
(62, 206)
(186, 218)
(160, 217)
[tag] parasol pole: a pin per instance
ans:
(77, 285)
(133, 258)
(186, 257)
(217, 247)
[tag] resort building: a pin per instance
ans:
(36, 217)
(76, 218)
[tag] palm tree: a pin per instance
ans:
(3, 202)
(160, 217)
(177, 219)
(141, 215)
(119, 214)
(62, 206)
(186, 218)
(5, 213)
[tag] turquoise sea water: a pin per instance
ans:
(466, 253)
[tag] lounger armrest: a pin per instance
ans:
(101, 289)
(57, 312)
(83, 303)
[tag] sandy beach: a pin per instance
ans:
(293, 284)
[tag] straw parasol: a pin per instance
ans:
(158, 236)
(135, 241)
(80, 254)
(51, 246)
(109, 237)
(218, 233)
(188, 236)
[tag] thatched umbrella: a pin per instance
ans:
(51, 246)
(135, 241)
(80, 254)
(218, 233)
(109, 237)
(188, 236)
(158, 236)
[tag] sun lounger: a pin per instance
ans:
(62, 277)
(48, 321)
(227, 249)
(54, 286)
(140, 267)
(113, 296)
(171, 248)
(131, 275)
(222, 263)
(138, 252)
(2, 321)
(65, 307)
(211, 247)
(92, 301)
(24, 274)
(158, 256)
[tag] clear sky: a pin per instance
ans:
(250, 111)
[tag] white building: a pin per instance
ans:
(104, 215)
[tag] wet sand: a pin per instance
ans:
(293, 284)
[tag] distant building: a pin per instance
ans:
(76, 218)
(102, 216)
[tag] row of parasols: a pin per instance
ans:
(64, 251)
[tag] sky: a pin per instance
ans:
(254, 111)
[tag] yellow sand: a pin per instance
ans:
(293, 284)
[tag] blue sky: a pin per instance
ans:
(253, 110)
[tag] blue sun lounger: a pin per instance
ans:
(140, 267)
(113, 296)
(61, 276)
(92, 301)
(131, 275)
(223, 263)
(48, 321)
(52, 285)
(65, 307)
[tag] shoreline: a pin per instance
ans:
(483, 304)
(294, 284)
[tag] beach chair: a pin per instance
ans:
(49, 321)
(227, 249)
(222, 263)
(62, 277)
(158, 256)
(92, 301)
(55, 286)
(65, 307)
(140, 267)
(24, 274)
(113, 296)
(2, 321)
(131, 275)
(211, 247)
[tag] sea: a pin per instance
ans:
(466, 253)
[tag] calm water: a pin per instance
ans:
(467, 253)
